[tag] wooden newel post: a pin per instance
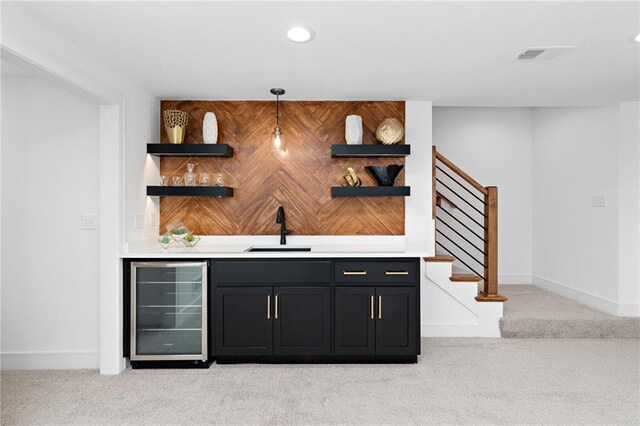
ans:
(490, 292)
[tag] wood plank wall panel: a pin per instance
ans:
(301, 180)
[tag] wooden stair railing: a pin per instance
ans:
(484, 220)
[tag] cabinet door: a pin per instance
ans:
(302, 320)
(244, 321)
(355, 320)
(396, 321)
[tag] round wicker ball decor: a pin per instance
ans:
(390, 131)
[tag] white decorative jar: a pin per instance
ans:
(210, 128)
(353, 130)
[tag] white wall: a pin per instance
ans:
(418, 222)
(141, 108)
(1, 206)
(50, 274)
(547, 164)
(575, 245)
(629, 210)
(493, 145)
(136, 111)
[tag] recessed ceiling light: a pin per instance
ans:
(637, 39)
(300, 34)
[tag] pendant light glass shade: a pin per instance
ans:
(277, 139)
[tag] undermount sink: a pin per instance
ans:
(279, 248)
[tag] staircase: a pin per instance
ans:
(466, 262)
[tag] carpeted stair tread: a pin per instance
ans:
(613, 328)
(535, 313)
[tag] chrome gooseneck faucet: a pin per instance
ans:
(283, 226)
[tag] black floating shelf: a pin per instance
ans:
(190, 191)
(370, 191)
(190, 149)
(377, 150)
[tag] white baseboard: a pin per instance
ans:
(515, 279)
(432, 329)
(629, 309)
(49, 360)
(585, 297)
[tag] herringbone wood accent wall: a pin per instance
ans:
(300, 180)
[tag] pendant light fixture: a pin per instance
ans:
(277, 140)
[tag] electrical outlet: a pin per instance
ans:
(88, 222)
(598, 201)
(138, 221)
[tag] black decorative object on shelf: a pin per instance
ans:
(385, 175)
(190, 191)
(190, 149)
(370, 191)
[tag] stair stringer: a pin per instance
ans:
(488, 313)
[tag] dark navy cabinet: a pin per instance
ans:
(355, 325)
(243, 321)
(316, 310)
(376, 321)
(396, 321)
(302, 320)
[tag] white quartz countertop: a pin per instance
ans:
(152, 249)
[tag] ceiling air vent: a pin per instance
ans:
(542, 53)
(530, 54)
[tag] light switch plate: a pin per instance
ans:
(88, 222)
(599, 201)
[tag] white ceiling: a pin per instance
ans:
(454, 53)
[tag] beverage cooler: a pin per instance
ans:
(169, 312)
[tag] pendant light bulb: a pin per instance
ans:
(277, 139)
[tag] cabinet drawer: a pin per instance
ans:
(272, 272)
(375, 272)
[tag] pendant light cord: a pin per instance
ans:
(277, 110)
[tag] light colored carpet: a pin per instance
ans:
(534, 312)
(457, 381)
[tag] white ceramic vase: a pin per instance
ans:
(210, 128)
(353, 130)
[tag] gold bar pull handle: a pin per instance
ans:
(379, 306)
(396, 272)
(268, 306)
(372, 307)
(354, 272)
(276, 317)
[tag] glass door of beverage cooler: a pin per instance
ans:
(168, 311)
